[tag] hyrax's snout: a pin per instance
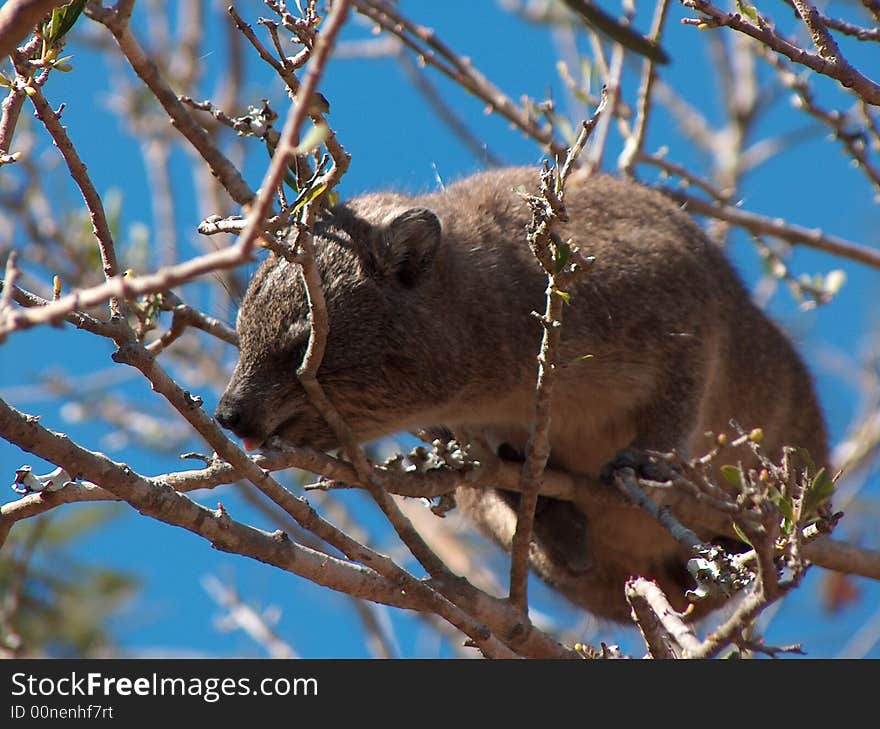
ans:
(233, 413)
(227, 414)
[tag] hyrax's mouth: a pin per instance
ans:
(257, 442)
(293, 432)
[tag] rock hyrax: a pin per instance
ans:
(430, 300)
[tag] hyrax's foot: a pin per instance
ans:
(507, 452)
(646, 466)
(562, 532)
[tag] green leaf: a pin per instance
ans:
(807, 459)
(732, 475)
(63, 19)
(316, 136)
(307, 196)
(561, 254)
(742, 535)
(750, 11)
(564, 295)
(820, 490)
(786, 508)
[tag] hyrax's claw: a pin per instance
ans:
(646, 466)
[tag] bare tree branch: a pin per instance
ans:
(665, 633)
(117, 22)
(547, 209)
(794, 234)
(459, 69)
(828, 61)
(634, 142)
(51, 120)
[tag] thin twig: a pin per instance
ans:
(286, 148)
(122, 287)
(79, 319)
(456, 67)
(626, 481)
(117, 22)
(853, 140)
(447, 113)
(611, 92)
(858, 32)
(636, 140)
(547, 209)
(307, 372)
(687, 177)
(10, 276)
(794, 234)
(80, 176)
(184, 316)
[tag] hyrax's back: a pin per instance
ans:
(676, 350)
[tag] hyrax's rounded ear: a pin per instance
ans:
(411, 241)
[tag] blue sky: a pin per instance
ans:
(396, 142)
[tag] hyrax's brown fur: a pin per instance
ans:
(429, 301)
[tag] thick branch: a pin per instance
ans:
(842, 557)
(665, 633)
(171, 507)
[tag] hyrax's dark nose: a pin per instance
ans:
(228, 414)
(239, 415)
(235, 414)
